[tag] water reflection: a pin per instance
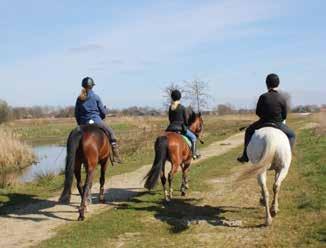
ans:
(51, 160)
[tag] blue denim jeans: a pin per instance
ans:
(191, 136)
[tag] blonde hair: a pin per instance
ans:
(83, 94)
(174, 105)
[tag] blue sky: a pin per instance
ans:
(134, 48)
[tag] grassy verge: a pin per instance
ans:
(146, 222)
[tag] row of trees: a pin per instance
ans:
(13, 113)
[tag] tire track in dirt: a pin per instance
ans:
(36, 222)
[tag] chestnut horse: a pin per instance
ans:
(88, 145)
(172, 147)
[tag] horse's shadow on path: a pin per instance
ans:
(181, 213)
(30, 207)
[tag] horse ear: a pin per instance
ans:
(199, 114)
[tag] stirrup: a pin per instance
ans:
(242, 160)
(196, 156)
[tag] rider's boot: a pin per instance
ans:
(195, 154)
(116, 153)
(244, 158)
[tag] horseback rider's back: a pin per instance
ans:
(271, 107)
(177, 118)
(89, 107)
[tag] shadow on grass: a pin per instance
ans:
(180, 214)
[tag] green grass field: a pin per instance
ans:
(195, 220)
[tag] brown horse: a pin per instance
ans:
(172, 147)
(87, 145)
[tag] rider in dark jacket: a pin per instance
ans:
(271, 108)
(179, 121)
(89, 109)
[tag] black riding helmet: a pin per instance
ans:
(176, 95)
(272, 81)
(88, 82)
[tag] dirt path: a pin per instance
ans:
(37, 222)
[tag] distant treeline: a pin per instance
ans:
(8, 113)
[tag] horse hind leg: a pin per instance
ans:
(262, 182)
(78, 178)
(279, 177)
(88, 183)
(163, 181)
(185, 182)
(171, 176)
(102, 181)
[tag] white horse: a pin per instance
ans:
(269, 149)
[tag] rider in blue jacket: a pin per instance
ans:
(89, 109)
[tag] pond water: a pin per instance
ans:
(51, 160)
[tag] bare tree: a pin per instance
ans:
(168, 90)
(197, 93)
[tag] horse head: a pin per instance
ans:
(196, 124)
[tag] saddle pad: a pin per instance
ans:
(187, 140)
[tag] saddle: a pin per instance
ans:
(268, 124)
(103, 129)
(185, 138)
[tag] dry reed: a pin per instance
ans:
(14, 154)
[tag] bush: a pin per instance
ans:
(5, 111)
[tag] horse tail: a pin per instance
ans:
(72, 145)
(161, 152)
(263, 164)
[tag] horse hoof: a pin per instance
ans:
(102, 201)
(268, 222)
(273, 212)
(262, 202)
(183, 193)
(81, 218)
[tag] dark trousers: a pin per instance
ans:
(109, 131)
(259, 124)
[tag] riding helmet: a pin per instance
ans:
(272, 81)
(176, 95)
(88, 82)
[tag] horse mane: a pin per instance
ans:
(191, 117)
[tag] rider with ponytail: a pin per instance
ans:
(179, 120)
(89, 109)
